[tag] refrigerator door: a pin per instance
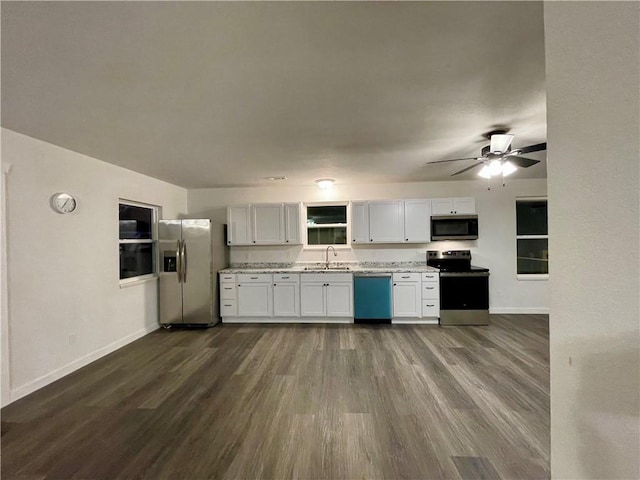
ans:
(197, 289)
(170, 288)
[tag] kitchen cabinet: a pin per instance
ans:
(268, 223)
(286, 295)
(228, 295)
(407, 295)
(255, 295)
(360, 222)
(292, 224)
(239, 225)
(264, 224)
(386, 221)
(417, 221)
(326, 295)
(431, 296)
(453, 206)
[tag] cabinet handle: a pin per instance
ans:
(430, 305)
(228, 288)
(274, 284)
(285, 278)
(406, 239)
(406, 276)
(371, 239)
(254, 241)
(287, 241)
(239, 285)
(227, 305)
(253, 278)
(430, 288)
(395, 284)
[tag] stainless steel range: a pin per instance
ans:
(464, 288)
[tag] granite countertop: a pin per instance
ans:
(338, 267)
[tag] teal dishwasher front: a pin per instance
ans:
(372, 298)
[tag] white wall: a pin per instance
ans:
(592, 53)
(495, 247)
(65, 304)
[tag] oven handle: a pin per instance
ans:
(464, 274)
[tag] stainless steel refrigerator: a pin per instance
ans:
(191, 252)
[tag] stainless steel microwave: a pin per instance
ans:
(454, 227)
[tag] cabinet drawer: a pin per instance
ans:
(431, 290)
(406, 277)
(430, 308)
(227, 278)
(228, 308)
(228, 291)
(431, 277)
(286, 278)
(254, 278)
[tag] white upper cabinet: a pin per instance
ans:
(417, 221)
(453, 206)
(386, 221)
(292, 224)
(239, 231)
(268, 223)
(264, 224)
(360, 222)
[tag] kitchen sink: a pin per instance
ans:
(328, 269)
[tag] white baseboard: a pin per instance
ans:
(517, 310)
(287, 320)
(44, 380)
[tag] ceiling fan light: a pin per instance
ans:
(485, 172)
(500, 143)
(508, 168)
(495, 167)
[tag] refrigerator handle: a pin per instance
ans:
(184, 261)
(179, 261)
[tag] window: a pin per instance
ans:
(327, 224)
(532, 238)
(137, 226)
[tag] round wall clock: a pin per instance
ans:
(63, 203)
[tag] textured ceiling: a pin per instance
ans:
(208, 94)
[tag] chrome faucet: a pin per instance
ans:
(326, 258)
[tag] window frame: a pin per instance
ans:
(337, 246)
(153, 241)
(530, 276)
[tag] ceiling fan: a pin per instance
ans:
(498, 159)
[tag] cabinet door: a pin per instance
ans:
(312, 300)
(339, 300)
(286, 300)
(407, 299)
(417, 221)
(255, 299)
(464, 206)
(386, 221)
(292, 223)
(360, 222)
(268, 223)
(442, 206)
(239, 225)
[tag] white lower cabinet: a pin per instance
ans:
(326, 295)
(431, 296)
(407, 295)
(255, 295)
(286, 295)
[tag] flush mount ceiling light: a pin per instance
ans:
(325, 183)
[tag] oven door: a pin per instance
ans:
(464, 298)
(454, 227)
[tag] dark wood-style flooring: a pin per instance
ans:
(296, 401)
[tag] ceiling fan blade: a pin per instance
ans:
(453, 160)
(500, 143)
(468, 168)
(533, 148)
(521, 162)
